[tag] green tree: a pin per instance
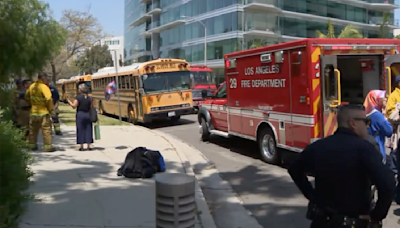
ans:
(256, 44)
(95, 58)
(348, 32)
(70, 69)
(29, 37)
(82, 31)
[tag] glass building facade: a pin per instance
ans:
(177, 28)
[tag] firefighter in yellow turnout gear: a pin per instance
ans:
(39, 96)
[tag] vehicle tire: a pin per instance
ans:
(204, 130)
(101, 109)
(175, 118)
(131, 115)
(267, 144)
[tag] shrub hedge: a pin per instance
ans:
(15, 162)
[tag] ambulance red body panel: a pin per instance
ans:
(286, 95)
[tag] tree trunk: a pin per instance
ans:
(53, 73)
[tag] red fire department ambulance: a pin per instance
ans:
(286, 95)
(203, 82)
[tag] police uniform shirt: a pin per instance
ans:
(54, 94)
(345, 166)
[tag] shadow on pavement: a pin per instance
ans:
(249, 148)
(279, 204)
(86, 192)
(167, 123)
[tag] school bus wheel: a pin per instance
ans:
(131, 114)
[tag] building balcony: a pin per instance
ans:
(169, 25)
(310, 17)
(268, 6)
(262, 31)
(143, 18)
(383, 5)
(149, 28)
(378, 21)
(144, 1)
(154, 9)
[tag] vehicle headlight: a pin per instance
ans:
(154, 109)
(186, 105)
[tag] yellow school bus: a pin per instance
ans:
(157, 89)
(71, 87)
(60, 85)
(85, 79)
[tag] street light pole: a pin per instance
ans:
(205, 39)
(205, 44)
(117, 81)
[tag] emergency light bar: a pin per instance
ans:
(358, 47)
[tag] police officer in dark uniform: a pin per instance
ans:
(344, 165)
(54, 115)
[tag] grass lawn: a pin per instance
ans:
(67, 117)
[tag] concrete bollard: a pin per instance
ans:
(175, 200)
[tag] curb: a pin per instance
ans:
(204, 215)
(244, 218)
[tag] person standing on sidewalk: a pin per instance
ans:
(54, 115)
(379, 127)
(23, 108)
(345, 165)
(84, 126)
(39, 96)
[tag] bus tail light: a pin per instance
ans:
(308, 100)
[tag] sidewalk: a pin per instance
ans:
(82, 189)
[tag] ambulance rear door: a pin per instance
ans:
(330, 93)
(392, 69)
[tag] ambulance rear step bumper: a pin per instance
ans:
(220, 133)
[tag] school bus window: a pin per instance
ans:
(122, 82)
(330, 85)
(127, 82)
(132, 82)
(167, 81)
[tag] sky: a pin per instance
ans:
(110, 13)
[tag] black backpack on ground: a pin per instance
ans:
(140, 163)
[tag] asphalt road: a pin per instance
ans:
(266, 190)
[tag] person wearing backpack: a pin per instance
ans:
(379, 127)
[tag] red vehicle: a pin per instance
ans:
(203, 82)
(286, 95)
